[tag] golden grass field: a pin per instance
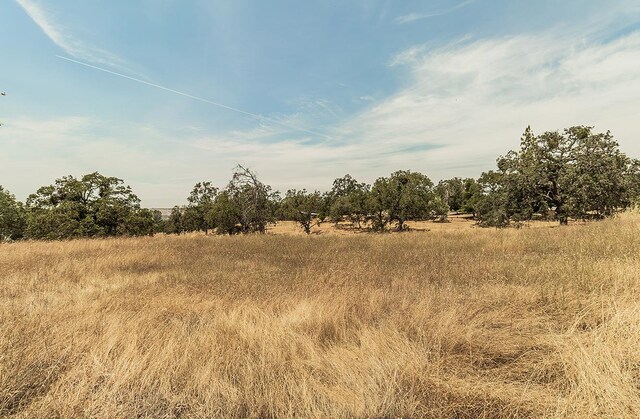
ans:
(454, 223)
(452, 322)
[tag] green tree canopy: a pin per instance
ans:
(253, 199)
(302, 207)
(404, 196)
(576, 173)
(451, 192)
(12, 217)
(197, 214)
(94, 205)
(175, 223)
(492, 203)
(226, 214)
(246, 205)
(348, 199)
(633, 182)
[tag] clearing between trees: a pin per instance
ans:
(455, 323)
(453, 223)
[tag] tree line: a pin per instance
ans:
(574, 174)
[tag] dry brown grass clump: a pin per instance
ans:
(471, 323)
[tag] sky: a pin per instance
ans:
(167, 93)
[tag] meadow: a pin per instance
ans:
(450, 322)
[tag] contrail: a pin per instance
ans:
(210, 102)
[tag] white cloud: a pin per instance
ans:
(38, 148)
(64, 39)
(408, 55)
(161, 166)
(463, 105)
(475, 100)
(412, 17)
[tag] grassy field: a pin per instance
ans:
(456, 322)
(453, 224)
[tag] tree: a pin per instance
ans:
(175, 224)
(253, 200)
(381, 200)
(197, 213)
(159, 224)
(633, 182)
(92, 206)
(451, 192)
(460, 195)
(348, 199)
(404, 196)
(226, 214)
(12, 217)
(138, 223)
(597, 174)
(471, 196)
(302, 207)
(523, 177)
(492, 204)
(576, 173)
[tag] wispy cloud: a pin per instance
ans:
(65, 40)
(459, 107)
(412, 17)
(175, 158)
(262, 119)
(463, 105)
(408, 55)
(475, 99)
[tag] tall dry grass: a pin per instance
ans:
(469, 323)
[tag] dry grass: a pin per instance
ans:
(454, 223)
(464, 323)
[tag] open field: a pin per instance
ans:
(465, 322)
(454, 223)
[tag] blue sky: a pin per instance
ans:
(318, 88)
